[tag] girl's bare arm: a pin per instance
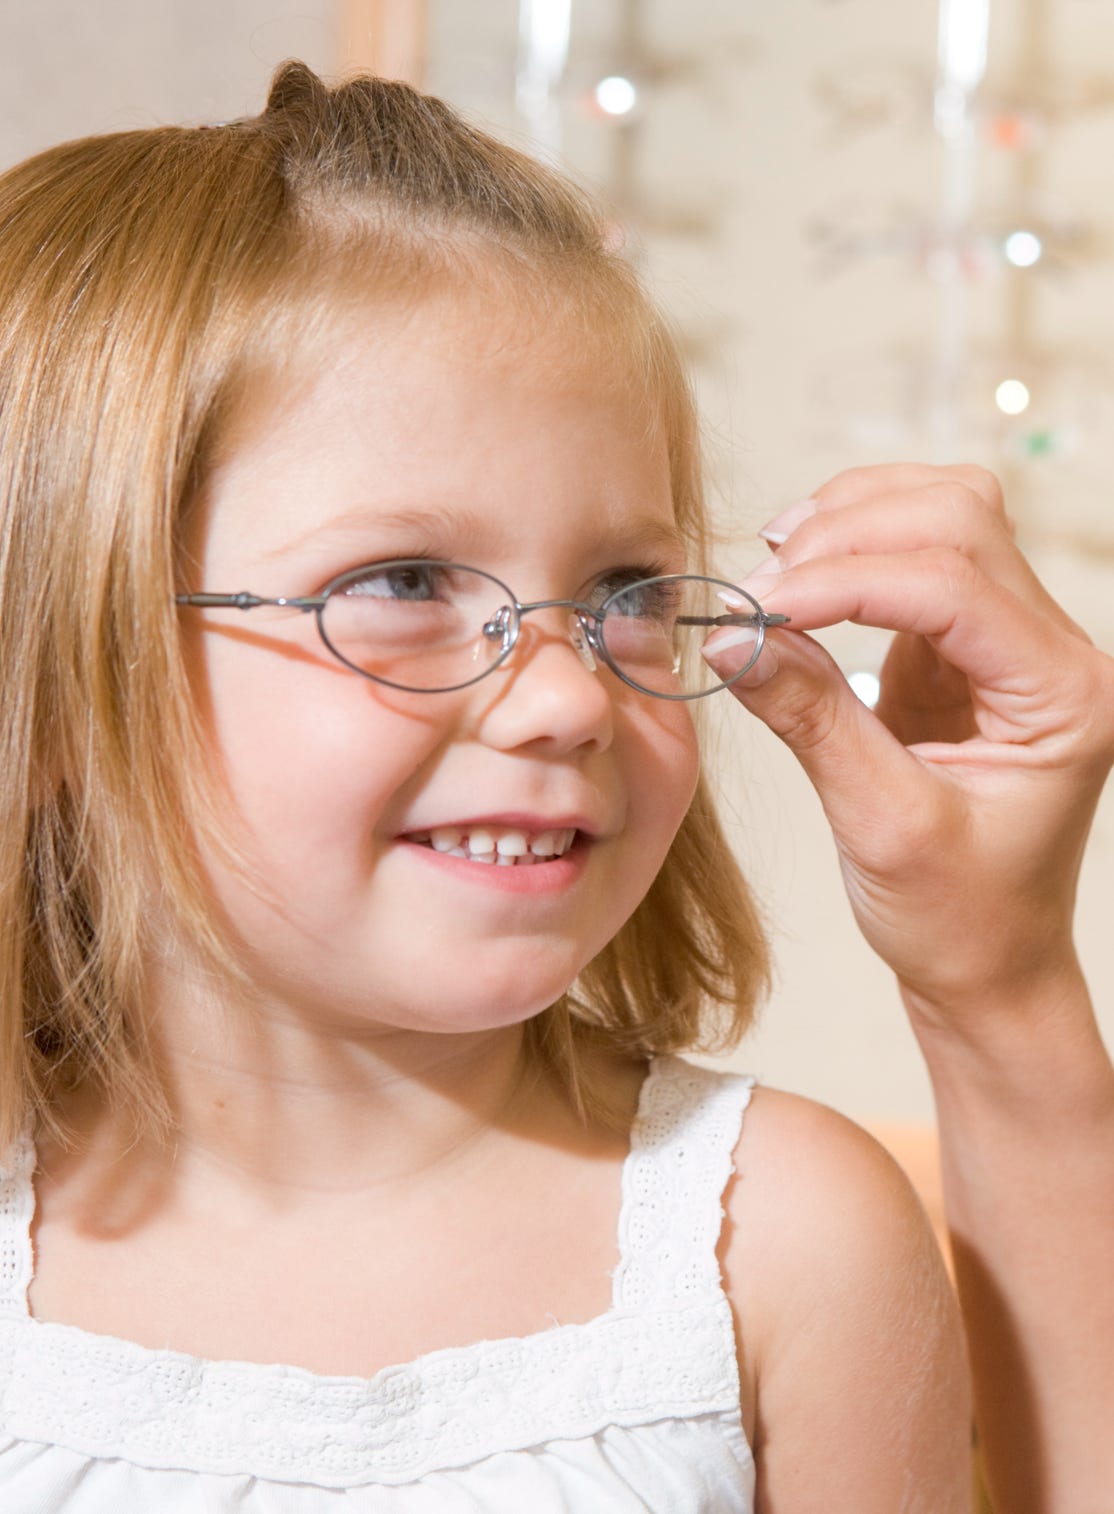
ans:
(848, 1328)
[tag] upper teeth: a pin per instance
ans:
(505, 845)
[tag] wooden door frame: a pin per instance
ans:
(386, 37)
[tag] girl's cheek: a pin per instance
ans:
(671, 744)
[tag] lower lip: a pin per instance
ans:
(540, 878)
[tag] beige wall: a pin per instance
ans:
(68, 67)
(737, 172)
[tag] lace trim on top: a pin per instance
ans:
(665, 1348)
(17, 1210)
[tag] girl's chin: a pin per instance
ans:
(471, 997)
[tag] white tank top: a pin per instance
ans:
(636, 1410)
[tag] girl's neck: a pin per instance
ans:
(278, 1115)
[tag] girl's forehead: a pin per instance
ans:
(462, 406)
(437, 359)
(539, 336)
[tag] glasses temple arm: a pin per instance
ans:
(244, 601)
(759, 618)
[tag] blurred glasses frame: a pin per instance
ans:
(586, 632)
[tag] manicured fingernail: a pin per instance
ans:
(728, 638)
(782, 526)
(763, 578)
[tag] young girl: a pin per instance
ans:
(359, 885)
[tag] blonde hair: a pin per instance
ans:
(136, 272)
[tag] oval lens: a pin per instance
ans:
(416, 624)
(653, 631)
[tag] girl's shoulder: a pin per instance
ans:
(850, 1332)
(808, 1184)
(801, 1166)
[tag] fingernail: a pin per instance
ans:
(729, 637)
(782, 526)
(763, 578)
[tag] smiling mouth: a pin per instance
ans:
(498, 846)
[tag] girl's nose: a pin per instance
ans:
(551, 691)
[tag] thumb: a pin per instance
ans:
(797, 690)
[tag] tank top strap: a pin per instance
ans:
(17, 1208)
(681, 1157)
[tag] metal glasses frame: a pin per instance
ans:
(505, 624)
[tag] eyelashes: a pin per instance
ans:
(597, 588)
(630, 573)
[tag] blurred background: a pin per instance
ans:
(885, 231)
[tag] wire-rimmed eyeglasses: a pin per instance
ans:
(430, 627)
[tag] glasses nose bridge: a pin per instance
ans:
(582, 629)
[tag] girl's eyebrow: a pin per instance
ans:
(359, 521)
(643, 533)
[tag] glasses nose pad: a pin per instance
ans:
(498, 635)
(581, 638)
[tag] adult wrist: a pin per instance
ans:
(987, 1013)
(1017, 1047)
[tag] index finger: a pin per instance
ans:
(1025, 670)
(858, 485)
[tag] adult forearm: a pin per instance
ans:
(960, 810)
(1025, 1100)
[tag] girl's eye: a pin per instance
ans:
(398, 581)
(618, 579)
(627, 592)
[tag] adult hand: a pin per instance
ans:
(961, 804)
(960, 808)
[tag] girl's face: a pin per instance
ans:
(451, 430)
